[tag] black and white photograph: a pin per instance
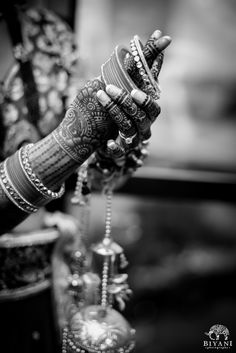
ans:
(117, 176)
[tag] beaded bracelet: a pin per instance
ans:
(113, 70)
(144, 71)
(136, 51)
(12, 193)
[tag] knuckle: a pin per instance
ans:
(147, 134)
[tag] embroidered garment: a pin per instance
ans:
(49, 44)
(27, 309)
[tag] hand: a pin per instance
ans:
(87, 124)
(153, 53)
(146, 112)
(132, 113)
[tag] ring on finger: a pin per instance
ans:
(128, 140)
(110, 105)
(121, 97)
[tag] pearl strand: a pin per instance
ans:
(107, 238)
(105, 274)
(108, 214)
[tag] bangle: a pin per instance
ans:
(141, 63)
(12, 193)
(22, 185)
(114, 72)
(46, 193)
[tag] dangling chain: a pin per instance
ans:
(107, 238)
(82, 196)
(109, 195)
(105, 277)
(111, 284)
(81, 189)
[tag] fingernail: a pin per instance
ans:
(157, 34)
(113, 90)
(111, 144)
(163, 42)
(139, 163)
(144, 152)
(102, 97)
(138, 95)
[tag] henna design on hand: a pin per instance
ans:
(152, 108)
(153, 54)
(50, 163)
(144, 123)
(151, 51)
(86, 125)
(157, 65)
(122, 121)
(127, 104)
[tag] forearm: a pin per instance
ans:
(36, 173)
(49, 166)
(49, 163)
(84, 128)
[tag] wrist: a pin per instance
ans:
(70, 139)
(50, 163)
(21, 186)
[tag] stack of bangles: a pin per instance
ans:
(22, 186)
(114, 72)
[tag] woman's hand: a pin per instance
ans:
(88, 124)
(133, 115)
(112, 119)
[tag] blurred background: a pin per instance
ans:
(176, 217)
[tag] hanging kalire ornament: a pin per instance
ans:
(96, 326)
